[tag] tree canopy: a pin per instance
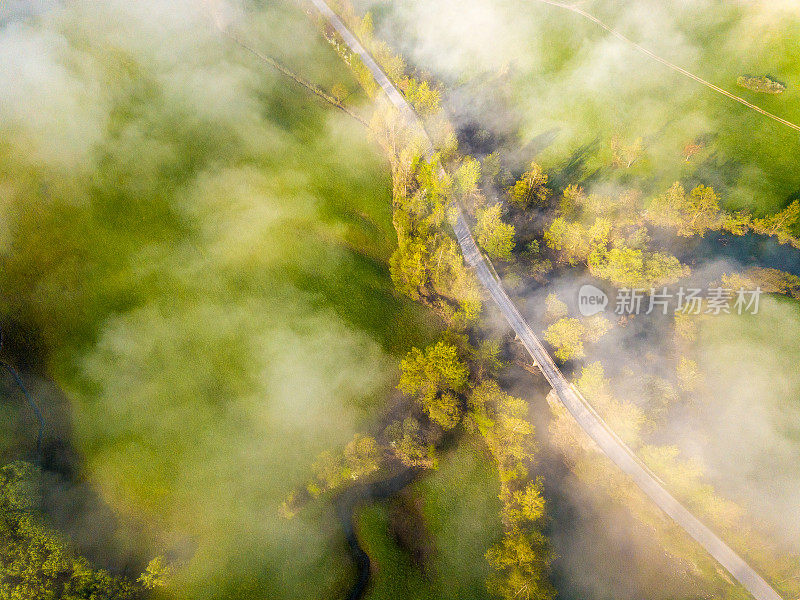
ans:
(531, 189)
(494, 236)
(36, 562)
(433, 376)
(568, 335)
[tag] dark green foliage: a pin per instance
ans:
(36, 563)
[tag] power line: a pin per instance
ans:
(313, 88)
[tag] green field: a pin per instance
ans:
(204, 258)
(751, 396)
(456, 510)
(555, 87)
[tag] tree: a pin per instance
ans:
(531, 189)
(522, 507)
(762, 84)
(492, 169)
(596, 327)
(468, 175)
(737, 223)
(688, 374)
(702, 208)
(408, 267)
(665, 210)
(36, 563)
(780, 225)
(769, 280)
(566, 335)
(520, 562)
(407, 442)
(521, 559)
(432, 377)
(421, 96)
(574, 241)
(555, 309)
(624, 418)
(503, 422)
(691, 214)
(329, 473)
(486, 358)
(444, 409)
(156, 574)
(685, 327)
(572, 200)
(593, 383)
(494, 236)
(367, 26)
(339, 92)
(569, 335)
(624, 155)
(635, 268)
(362, 455)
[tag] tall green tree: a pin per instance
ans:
(433, 377)
(531, 189)
(635, 268)
(36, 562)
(691, 214)
(574, 241)
(569, 335)
(494, 236)
(780, 225)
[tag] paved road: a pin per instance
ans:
(582, 411)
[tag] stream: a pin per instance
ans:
(346, 504)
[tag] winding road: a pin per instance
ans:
(581, 410)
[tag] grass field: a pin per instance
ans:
(560, 87)
(208, 275)
(458, 509)
(752, 397)
(593, 87)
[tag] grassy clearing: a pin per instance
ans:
(460, 509)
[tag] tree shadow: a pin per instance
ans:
(70, 503)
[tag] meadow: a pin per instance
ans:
(455, 514)
(201, 253)
(546, 84)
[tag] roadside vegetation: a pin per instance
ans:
(450, 385)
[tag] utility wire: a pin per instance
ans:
(314, 89)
